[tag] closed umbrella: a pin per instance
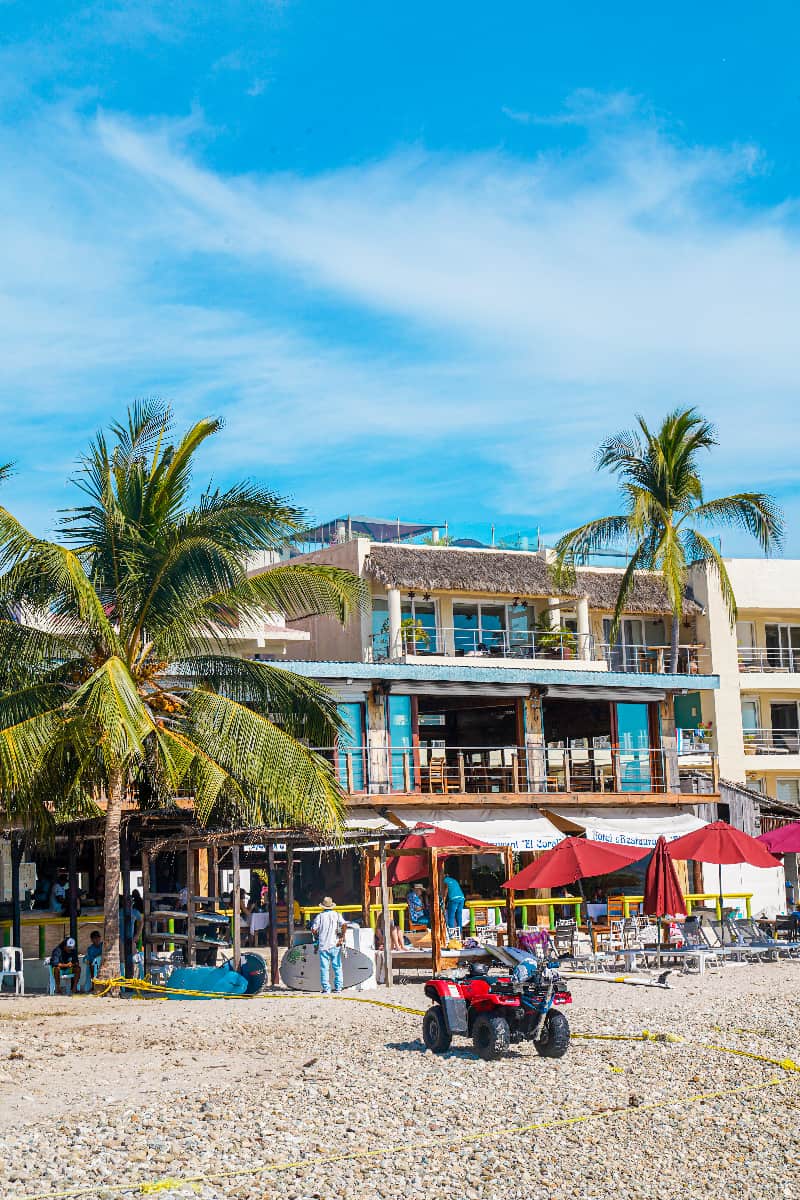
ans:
(784, 840)
(721, 843)
(662, 890)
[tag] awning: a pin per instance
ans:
(501, 826)
(628, 826)
(569, 691)
(368, 818)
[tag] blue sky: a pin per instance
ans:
(421, 257)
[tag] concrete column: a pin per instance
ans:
(395, 619)
(445, 608)
(584, 630)
(554, 611)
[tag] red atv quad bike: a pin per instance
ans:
(496, 1011)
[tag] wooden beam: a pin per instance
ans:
(289, 895)
(237, 915)
(212, 855)
(17, 849)
(191, 891)
(548, 799)
(508, 862)
(72, 867)
(146, 904)
(437, 923)
(367, 872)
(125, 863)
(386, 918)
(273, 915)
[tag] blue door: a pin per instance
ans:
(401, 741)
(633, 734)
(350, 747)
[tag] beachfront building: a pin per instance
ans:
(473, 689)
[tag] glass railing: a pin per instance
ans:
(771, 741)
(769, 658)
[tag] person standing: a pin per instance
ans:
(329, 928)
(454, 902)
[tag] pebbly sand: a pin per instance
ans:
(103, 1091)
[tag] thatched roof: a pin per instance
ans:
(508, 573)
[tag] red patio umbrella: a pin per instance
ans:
(572, 859)
(408, 868)
(784, 840)
(721, 843)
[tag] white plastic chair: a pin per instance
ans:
(11, 965)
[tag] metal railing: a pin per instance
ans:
(655, 660)
(771, 741)
(540, 645)
(769, 658)
(439, 769)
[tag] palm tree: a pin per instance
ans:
(114, 672)
(664, 512)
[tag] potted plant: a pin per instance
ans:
(550, 642)
(413, 635)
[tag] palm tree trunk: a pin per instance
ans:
(110, 963)
(674, 643)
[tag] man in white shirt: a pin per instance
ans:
(58, 894)
(329, 927)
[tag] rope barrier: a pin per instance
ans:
(445, 1143)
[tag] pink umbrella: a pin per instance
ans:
(784, 840)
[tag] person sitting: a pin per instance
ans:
(64, 961)
(395, 936)
(58, 894)
(418, 913)
(92, 958)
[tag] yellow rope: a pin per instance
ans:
(143, 1187)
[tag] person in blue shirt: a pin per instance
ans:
(417, 908)
(95, 948)
(454, 901)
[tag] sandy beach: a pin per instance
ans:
(223, 1094)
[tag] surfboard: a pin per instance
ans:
(300, 968)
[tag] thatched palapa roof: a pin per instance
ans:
(509, 573)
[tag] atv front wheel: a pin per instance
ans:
(435, 1033)
(554, 1040)
(491, 1036)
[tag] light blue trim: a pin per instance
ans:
(473, 674)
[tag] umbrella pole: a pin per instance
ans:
(721, 910)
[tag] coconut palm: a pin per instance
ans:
(115, 676)
(665, 512)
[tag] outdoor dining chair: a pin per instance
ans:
(12, 966)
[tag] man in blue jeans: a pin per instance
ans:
(454, 902)
(329, 929)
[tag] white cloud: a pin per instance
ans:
(508, 311)
(585, 106)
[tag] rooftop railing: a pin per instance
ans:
(769, 658)
(442, 769)
(693, 659)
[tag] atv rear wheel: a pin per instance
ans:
(491, 1036)
(555, 1035)
(435, 1034)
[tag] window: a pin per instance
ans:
(421, 639)
(785, 726)
(479, 628)
(788, 790)
(783, 646)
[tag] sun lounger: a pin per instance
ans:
(755, 937)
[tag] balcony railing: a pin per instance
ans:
(484, 770)
(494, 643)
(772, 741)
(769, 658)
(541, 645)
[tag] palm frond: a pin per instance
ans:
(754, 512)
(109, 703)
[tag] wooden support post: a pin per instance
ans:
(191, 892)
(147, 884)
(567, 776)
(462, 776)
(386, 918)
(406, 772)
(273, 916)
(508, 863)
(72, 867)
(289, 895)
(514, 771)
(17, 847)
(213, 872)
(237, 915)
(437, 922)
(125, 863)
(617, 771)
(367, 871)
(348, 772)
